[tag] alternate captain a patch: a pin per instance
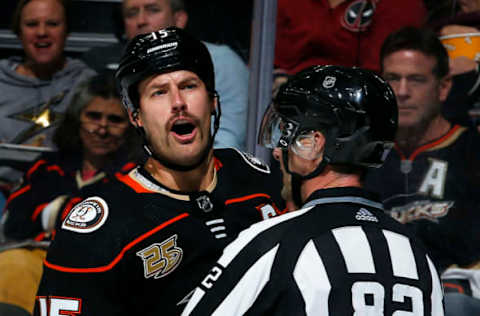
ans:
(87, 216)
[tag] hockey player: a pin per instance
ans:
(140, 247)
(339, 254)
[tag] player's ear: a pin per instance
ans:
(215, 102)
(319, 144)
(134, 118)
(181, 18)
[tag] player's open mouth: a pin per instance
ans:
(183, 130)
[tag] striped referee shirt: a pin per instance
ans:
(338, 255)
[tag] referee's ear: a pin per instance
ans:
(318, 144)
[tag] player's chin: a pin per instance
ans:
(190, 155)
(189, 158)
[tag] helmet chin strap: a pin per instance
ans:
(297, 179)
(205, 152)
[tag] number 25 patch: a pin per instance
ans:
(160, 259)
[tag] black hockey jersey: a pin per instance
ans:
(140, 249)
(436, 191)
(51, 176)
(339, 255)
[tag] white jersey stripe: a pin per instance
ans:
(245, 292)
(312, 280)
(193, 301)
(355, 249)
(231, 251)
(437, 291)
(215, 221)
(401, 255)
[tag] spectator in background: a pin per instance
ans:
(458, 25)
(339, 32)
(231, 73)
(94, 140)
(36, 88)
(431, 180)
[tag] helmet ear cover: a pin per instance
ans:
(305, 146)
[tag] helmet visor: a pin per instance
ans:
(276, 130)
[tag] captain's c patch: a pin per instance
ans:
(87, 216)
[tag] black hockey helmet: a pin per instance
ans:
(354, 108)
(159, 52)
(163, 51)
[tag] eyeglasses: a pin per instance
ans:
(93, 120)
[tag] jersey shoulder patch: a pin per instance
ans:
(87, 216)
(254, 162)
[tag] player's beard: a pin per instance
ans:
(174, 164)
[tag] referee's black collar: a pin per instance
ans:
(344, 192)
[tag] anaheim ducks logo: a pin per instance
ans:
(160, 259)
(425, 209)
(87, 216)
(358, 15)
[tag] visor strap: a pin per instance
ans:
(296, 184)
(298, 179)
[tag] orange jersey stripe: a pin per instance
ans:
(217, 163)
(35, 167)
(56, 168)
(128, 166)
(245, 198)
(38, 210)
(120, 255)
(69, 206)
(453, 285)
(40, 236)
(132, 183)
(18, 192)
(428, 145)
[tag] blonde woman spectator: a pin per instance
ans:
(35, 88)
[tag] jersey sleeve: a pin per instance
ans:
(82, 266)
(253, 175)
(24, 208)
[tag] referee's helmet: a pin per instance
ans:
(354, 108)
